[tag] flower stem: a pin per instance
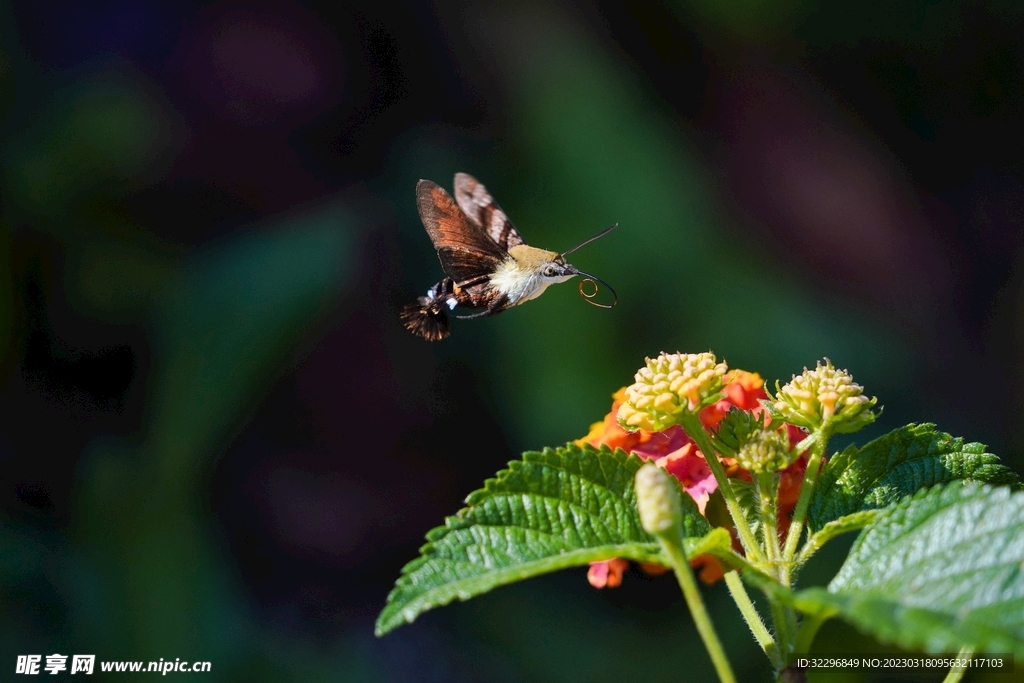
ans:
(671, 542)
(753, 619)
(784, 619)
(808, 630)
(695, 430)
(804, 501)
(766, 487)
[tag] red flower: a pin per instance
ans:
(743, 390)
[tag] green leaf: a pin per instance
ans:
(551, 510)
(937, 571)
(897, 465)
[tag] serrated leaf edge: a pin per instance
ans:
(389, 619)
(843, 461)
(829, 602)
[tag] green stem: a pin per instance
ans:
(843, 525)
(812, 546)
(695, 430)
(671, 542)
(766, 488)
(753, 619)
(957, 672)
(808, 630)
(784, 619)
(804, 501)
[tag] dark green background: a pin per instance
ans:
(218, 442)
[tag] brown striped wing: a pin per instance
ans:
(477, 203)
(465, 251)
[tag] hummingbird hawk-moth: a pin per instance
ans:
(488, 266)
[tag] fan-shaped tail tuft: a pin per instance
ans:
(428, 318)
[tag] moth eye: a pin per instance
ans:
(549, 271)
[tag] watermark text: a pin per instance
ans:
(34, 665)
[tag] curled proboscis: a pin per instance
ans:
(589, 289)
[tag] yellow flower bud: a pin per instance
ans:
(824, 395)
(765, 451)
(657, 500)
(667, 385)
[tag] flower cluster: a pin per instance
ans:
(755, 434)
(766, 450)
(824, 396)
(676, 452)
(668, 384)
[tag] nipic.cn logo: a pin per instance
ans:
(33, 665)
(55, 663)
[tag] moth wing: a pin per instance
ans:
(477, 203)
(464, 249)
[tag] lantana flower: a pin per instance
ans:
(672, 449)
(824, 396)
(670, 384)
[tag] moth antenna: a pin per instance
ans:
(593, 280)
(588, 241)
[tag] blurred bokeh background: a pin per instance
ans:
(218, 442)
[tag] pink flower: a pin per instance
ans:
(687, 464)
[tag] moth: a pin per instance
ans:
(488, 266)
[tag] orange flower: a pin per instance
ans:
(709, 568)
(607, 573)
(742, 390)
